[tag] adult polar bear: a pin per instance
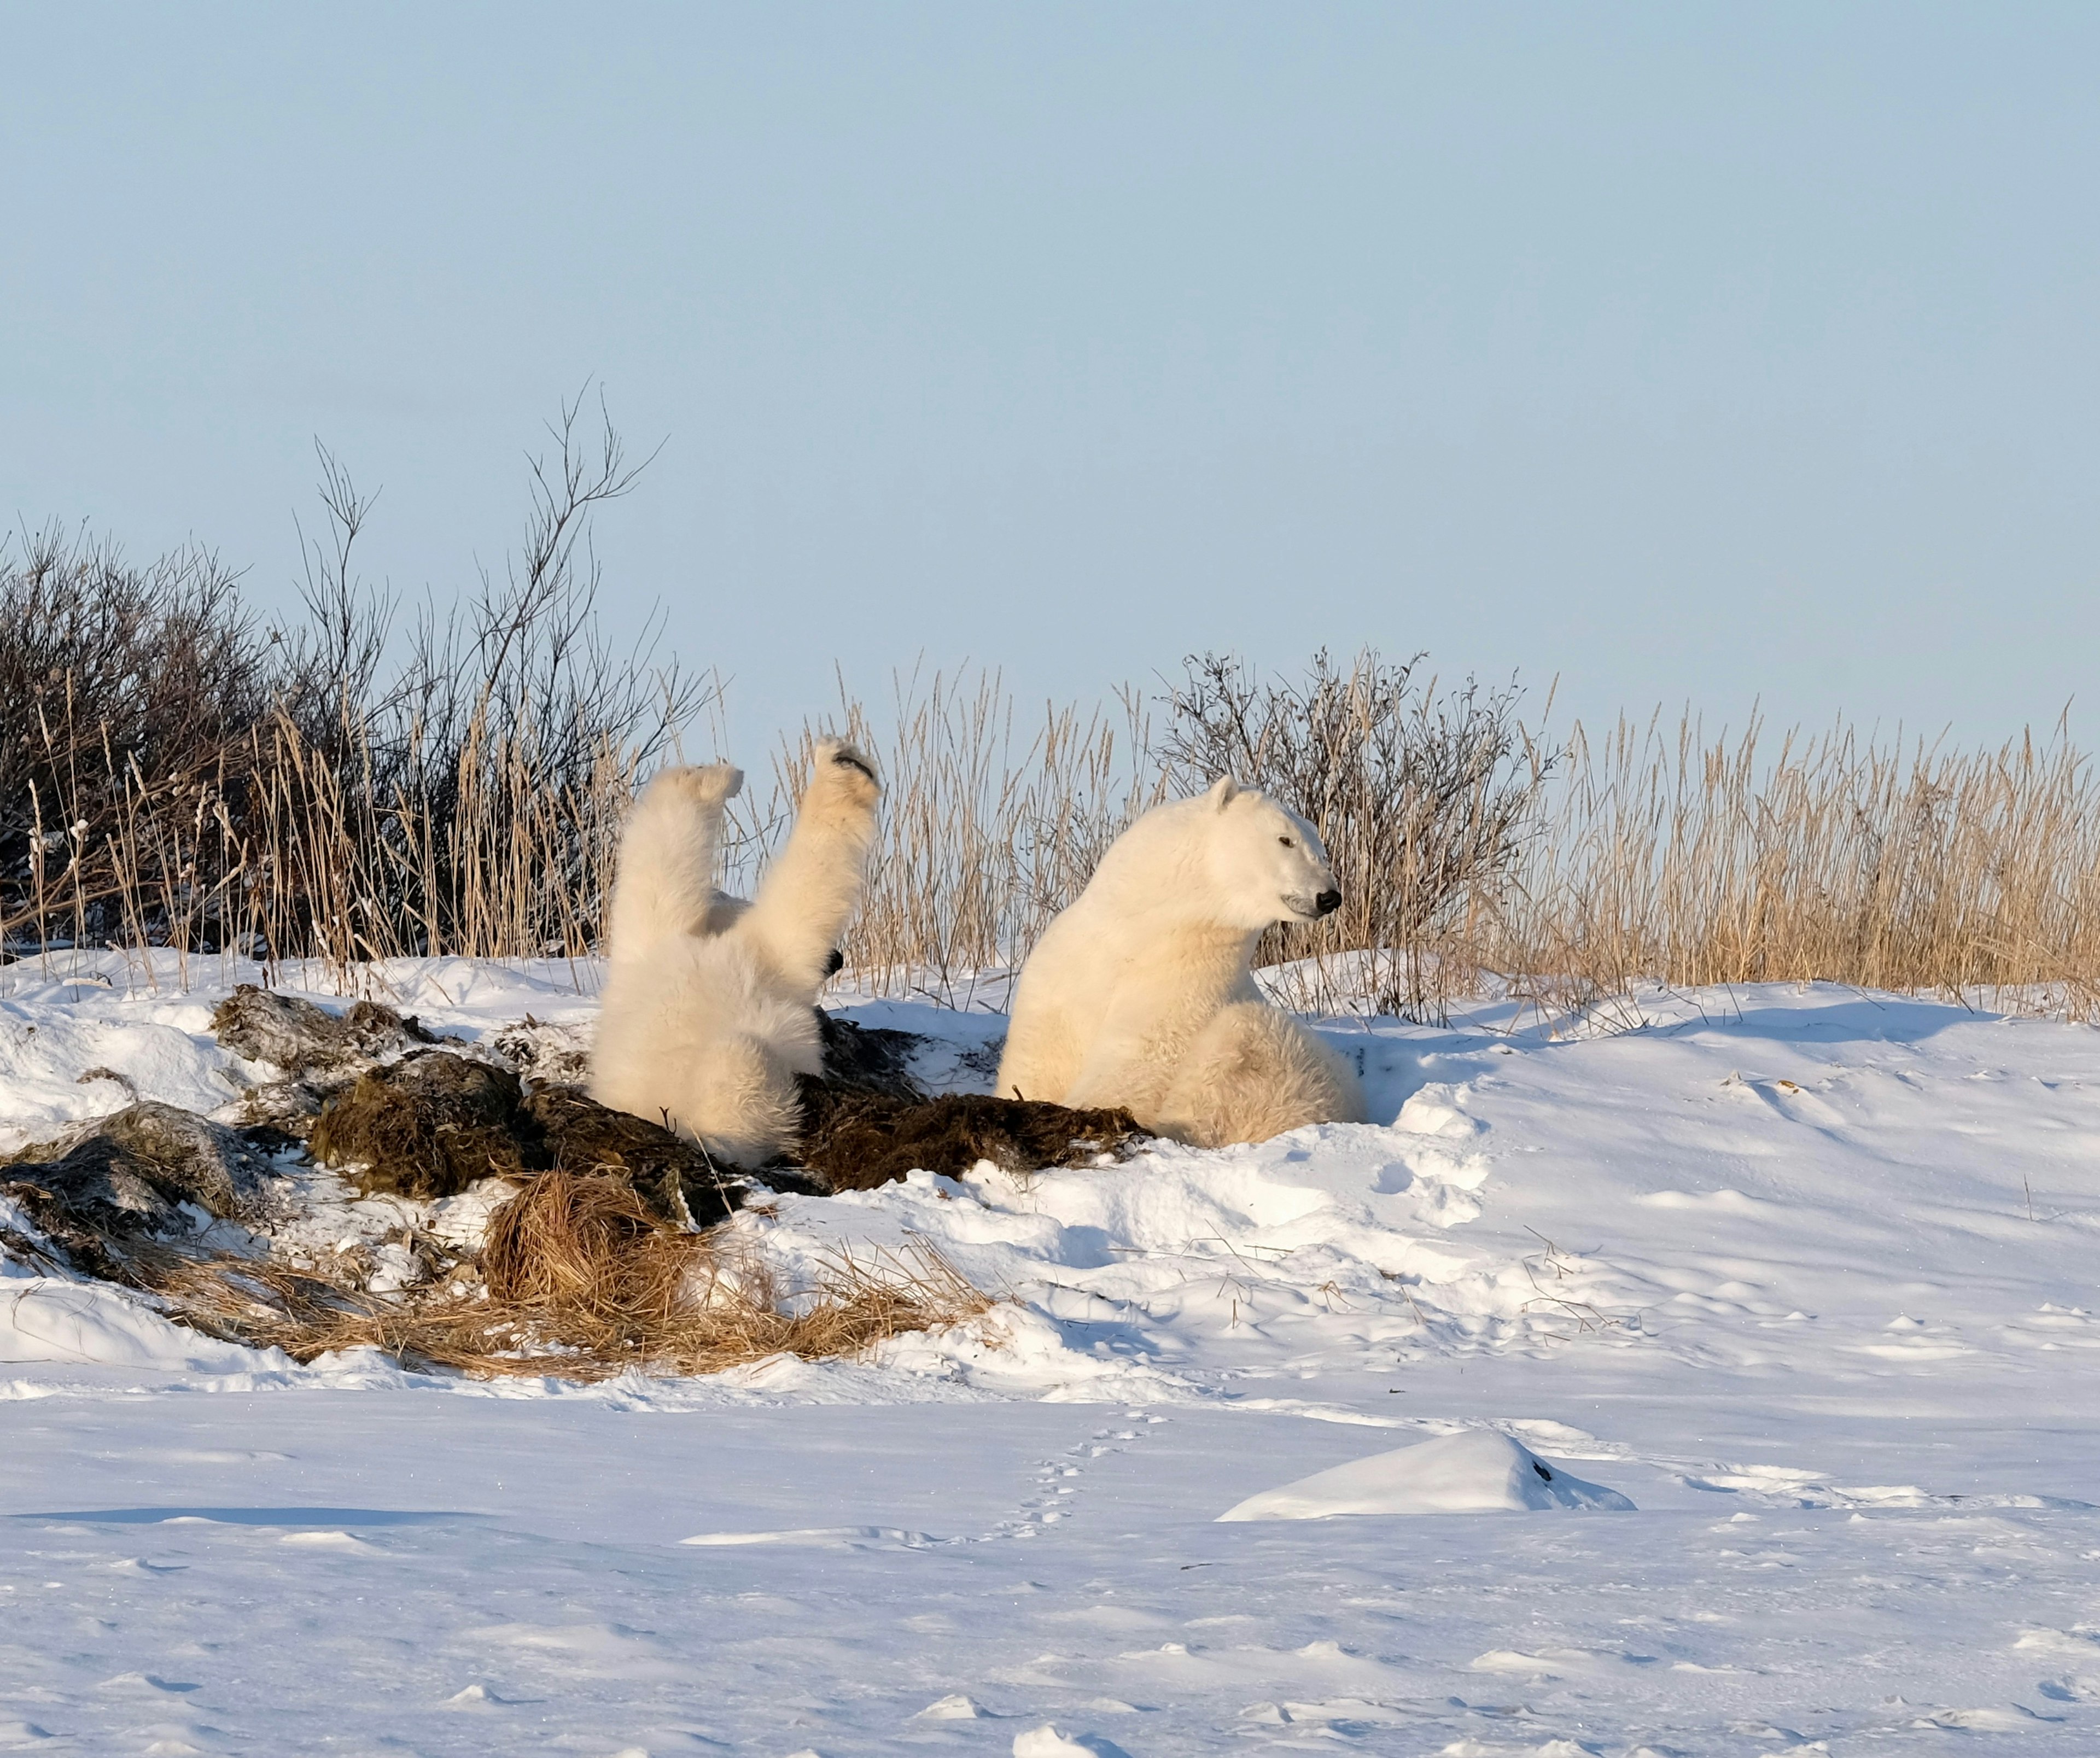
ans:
(1141, 993)
(708, 1012)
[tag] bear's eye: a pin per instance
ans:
(1286, 842)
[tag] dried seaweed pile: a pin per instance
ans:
(579, 1276)
(435, 1123)
(602, 1261)
(431, 1122)
(868, 1123)
(858, 1140)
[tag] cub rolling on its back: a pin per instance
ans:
(709, 1006)
(1142, 995)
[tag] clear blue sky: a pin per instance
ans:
(1690, 352)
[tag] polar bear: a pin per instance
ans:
(708, 1012)
(1141, 994)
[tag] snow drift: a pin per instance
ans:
(1476, 1471)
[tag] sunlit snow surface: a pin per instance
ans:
(1809, 1276)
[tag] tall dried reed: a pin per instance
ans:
(174, 775)
(1472, 852)
(1898, 865)
(993, 817)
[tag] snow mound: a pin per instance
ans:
(47, 1320)
(1047, 1741)
(1476, 1471)
(822, 1537)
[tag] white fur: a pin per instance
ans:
(708, 1011)
(1141, 993)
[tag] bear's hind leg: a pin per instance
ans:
(664, 888)
(1253, 1072)
(802, 908)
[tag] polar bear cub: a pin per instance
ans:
(1141, 993)
(708, 1012)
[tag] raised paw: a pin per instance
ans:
(702, 784)
(846, 768)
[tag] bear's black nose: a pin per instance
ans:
(1327, 903)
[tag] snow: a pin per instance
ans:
(1807, 1277)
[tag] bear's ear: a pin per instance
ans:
(1223, 791)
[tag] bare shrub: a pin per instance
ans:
(119, 683)
(171, 773)
(1424, 797)
(479, 791)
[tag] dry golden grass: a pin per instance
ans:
(578, 1282)
(580, 1261)
(1751, 859)
(993, 817)
(176, 773)
(1648, 852)
(491, 858)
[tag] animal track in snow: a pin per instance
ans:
(1058, 1480)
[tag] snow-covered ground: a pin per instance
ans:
(1812, 1277)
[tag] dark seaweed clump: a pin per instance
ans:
(854, 1138)
(427, 1126)
(867, 1122)
(433, 1123)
